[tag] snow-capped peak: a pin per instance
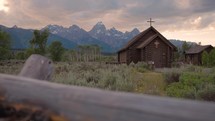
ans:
(135, 31)
(99, 28)
(54, 29)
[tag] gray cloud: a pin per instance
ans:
(123, 14)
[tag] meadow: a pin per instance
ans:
(188, 81)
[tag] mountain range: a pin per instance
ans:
(110, 40)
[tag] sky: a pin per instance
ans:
(191, 20)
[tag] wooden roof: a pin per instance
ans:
(197, 49)
(136, 38)
(148, 40)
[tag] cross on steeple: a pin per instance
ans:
(150, 21)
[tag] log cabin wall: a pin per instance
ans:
(123, 56)
(142, 48)
(143, 54)
(158, 54)
(134, 53)
(196, 58)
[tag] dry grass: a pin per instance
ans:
(11, 67)
(151, 83)
(111, 77)
(133, 78)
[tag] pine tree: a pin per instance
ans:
(56, 50)
(205, 59)
(5, 45)
(212, 58)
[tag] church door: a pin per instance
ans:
(159, 55)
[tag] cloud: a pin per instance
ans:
(123, 14)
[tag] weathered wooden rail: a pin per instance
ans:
(86, 104)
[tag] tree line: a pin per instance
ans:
(56, 51)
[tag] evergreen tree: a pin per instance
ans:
(205, 59)
(212, 58)
(56, 50)
(5, 45)
(185, 46)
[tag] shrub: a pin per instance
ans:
(142, 67)
(110, 77)
(181, 91)
(207, 93)
(21, 56)
(194, 85)
(171, 75)
(192, 68)
(192, 79)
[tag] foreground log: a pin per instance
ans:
(83, 104)
(37, 67)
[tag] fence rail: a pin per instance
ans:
(87, 104)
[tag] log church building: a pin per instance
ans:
(149, 46)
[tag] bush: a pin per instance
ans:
(110, 77)
(181, 91)
(194, 85)
(207, 94)
(191, 79)
(21, 56)
(142, 67)
(192, 68)
(171, 75)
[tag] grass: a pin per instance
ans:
(133, 78)
(151, 83)
(11, 67)
(192, 82)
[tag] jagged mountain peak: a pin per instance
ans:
(113, 28)
(100, 23)
(54, 29)
(99, 27)
(50, 26)
(98, 34)
(15, 27)
(74, 27)
(135, 30)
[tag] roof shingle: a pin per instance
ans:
(197, 49)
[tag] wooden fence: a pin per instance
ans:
(86, 104)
